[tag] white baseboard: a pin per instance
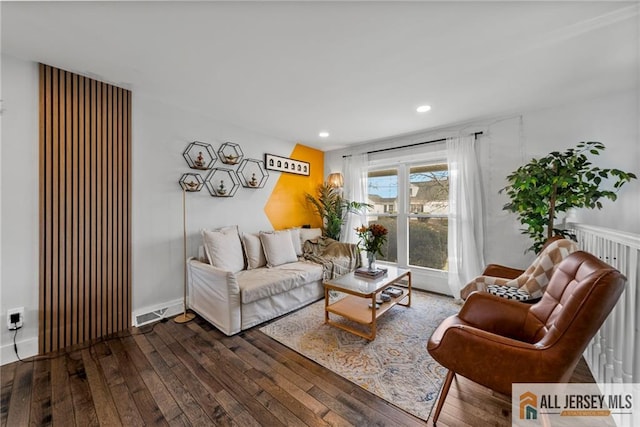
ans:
(26, 348)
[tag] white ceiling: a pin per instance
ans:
(355, 69)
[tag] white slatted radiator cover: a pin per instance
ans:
(613, 354)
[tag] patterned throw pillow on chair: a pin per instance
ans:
(509, 292)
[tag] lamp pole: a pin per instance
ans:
(184, 317)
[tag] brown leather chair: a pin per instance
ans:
(496, 342)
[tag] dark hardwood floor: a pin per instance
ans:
(191, 374)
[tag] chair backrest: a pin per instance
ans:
(582, 291)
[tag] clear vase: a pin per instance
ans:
(371, 260)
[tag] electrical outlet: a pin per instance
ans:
(15, 318)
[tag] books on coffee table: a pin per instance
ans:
(394, 292)
(365, 272)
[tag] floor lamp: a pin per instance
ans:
(184, 317)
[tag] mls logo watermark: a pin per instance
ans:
(535, 404)
(528, 406)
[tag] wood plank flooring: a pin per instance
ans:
(191, 374)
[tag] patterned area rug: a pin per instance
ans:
(395, 366)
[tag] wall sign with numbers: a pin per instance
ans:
(285, 164)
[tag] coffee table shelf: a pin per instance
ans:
(357, 308)
(362, 292)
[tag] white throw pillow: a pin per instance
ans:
(224, 249)
(309, 234)
(253, 250)
(295, 238)
(278, 247)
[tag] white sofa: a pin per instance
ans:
(271, 279)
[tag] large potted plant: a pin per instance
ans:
(542, 188)
(333, 208)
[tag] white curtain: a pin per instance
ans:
(466, 231)
(355, 189)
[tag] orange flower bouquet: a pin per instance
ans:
(372, 238)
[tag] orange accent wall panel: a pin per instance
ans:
(287, 206)
(85, 209)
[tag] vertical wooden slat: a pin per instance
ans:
(68, 226)
(95, 208)
(85, 209)
(55, 214)
(118, 187)
(75, 201)
(128, 210)
(103, 143)
(44, 122)
(109, 210)
(79, 209)
(86, 244)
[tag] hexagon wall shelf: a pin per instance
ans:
(252, 173)
(222, 182)
(230, 153)
(191, 182)
(200, 155)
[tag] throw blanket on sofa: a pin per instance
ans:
(336, 258)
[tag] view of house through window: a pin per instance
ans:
(415, 217)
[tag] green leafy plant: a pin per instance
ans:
(542, 188)
(333, 208)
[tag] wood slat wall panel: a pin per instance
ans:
(85, 208)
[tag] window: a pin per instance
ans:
(412, 201)
(427, 224)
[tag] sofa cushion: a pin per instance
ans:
(253, 250)
(261, 283)
(278, 247)
(224, 249)
(309, 234)
(295, 238)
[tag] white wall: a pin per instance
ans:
(508, 143)
(19, 204)
(160, 135)
(613, 120)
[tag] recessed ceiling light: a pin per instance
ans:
(423, 108)
(323, 134)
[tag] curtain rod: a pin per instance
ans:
(475, 135)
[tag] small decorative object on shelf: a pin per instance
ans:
(191, 182)
(222, 182)
(230, 153)
(222, 191)
(200, 155)
(252, 173)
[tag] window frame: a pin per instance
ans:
(404, 213)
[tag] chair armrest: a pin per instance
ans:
(215, 295)
(488, 359)
(494, 314)
(497, 270)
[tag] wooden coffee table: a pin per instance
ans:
(361, 293)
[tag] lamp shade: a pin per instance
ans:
(335, 179)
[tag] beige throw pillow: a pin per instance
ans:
(278, 247)
(253, 250)
(224, 249)
(309, 234)
(295, 238)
